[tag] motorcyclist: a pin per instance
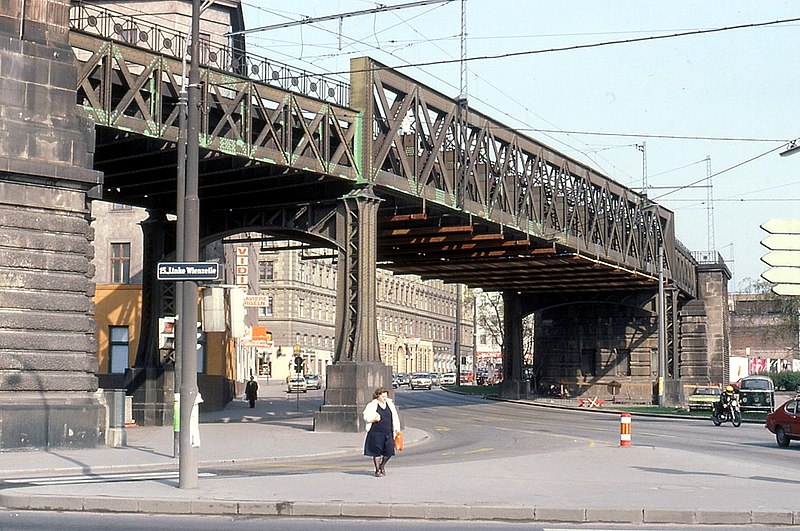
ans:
(725, 399)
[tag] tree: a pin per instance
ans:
(785, 309)
(489, 315)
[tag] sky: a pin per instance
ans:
(693, 117)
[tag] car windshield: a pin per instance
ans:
(706, 391)
(756, 385)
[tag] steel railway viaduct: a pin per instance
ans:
(386, 171)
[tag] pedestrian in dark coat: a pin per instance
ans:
(251, 391)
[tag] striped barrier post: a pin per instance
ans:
(625, 429)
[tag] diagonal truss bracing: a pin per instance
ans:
(512, 179)
(134, 89)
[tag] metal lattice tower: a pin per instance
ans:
(710, 205)
(643, 148)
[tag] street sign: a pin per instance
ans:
(782, 242)
(782, 275)
(782, 226)
(786, 289)
(188, 271)
(254, 301)
(782, 259)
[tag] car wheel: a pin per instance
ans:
(781, 437)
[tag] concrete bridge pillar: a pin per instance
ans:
(514, 384)
(705, 324)
(357, 369)
(47, 345)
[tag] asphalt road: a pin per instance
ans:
(465, 429)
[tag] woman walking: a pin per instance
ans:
(382, 425)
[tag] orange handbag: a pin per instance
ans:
(398, 441)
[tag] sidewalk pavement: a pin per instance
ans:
(590, 481)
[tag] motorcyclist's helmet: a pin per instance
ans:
(729, 389)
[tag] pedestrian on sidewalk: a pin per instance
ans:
(383, 423)
(251, 391)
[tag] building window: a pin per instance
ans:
(301, 310)
(120, 263)
(588, 361)
(266, 310)
(118, 349)
(623, 362)
(266, 271)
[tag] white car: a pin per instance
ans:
(297, 384)
(449, 378)
(421, 380)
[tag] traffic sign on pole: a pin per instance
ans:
(782, 242)
(784, 256)
(782, 275)
(782, 259)
(786, 289)
(782, 226)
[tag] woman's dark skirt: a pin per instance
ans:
(378, 443)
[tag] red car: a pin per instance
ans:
(784, 422)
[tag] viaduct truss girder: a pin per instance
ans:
(499, 209)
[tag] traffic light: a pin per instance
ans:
(298, 364)
(166, 339)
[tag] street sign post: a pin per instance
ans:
(188, 271)
(784, 256)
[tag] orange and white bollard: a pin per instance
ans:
(625, 429)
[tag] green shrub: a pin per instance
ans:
(785, 380)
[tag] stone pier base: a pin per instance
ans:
(515, 389)
(153, 391)
(348, 388)
(51, 420)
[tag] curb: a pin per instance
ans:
(425, 511)
(609, 411)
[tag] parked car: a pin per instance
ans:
(704, 397)
(449, 378)
(434, 378)
(756, 393)
(395, 385)
(403, 379)
(313, 381)
(421, 380)
(784, 422)
(297, 384)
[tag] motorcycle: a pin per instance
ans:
(730, 413)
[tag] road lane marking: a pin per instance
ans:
(99, 478)
(590, 442)
(468, 452)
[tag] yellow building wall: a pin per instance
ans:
(117, 305)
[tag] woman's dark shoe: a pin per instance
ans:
(382, 472)
(378, 474)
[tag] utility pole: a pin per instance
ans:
(187, 466)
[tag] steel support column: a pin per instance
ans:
(514, 385)
(357, 370)
(148, 381)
